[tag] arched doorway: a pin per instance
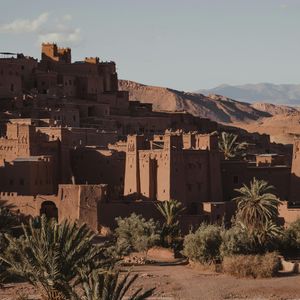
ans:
(49, 209)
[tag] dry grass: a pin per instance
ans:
(255, 266)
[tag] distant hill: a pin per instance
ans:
(282, 122)
(262, 92)
(214, 107)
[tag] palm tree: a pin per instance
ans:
(230, 147)
(107, 285)
(256, 205)
(170, 210)
(8, 219)
(50, 256)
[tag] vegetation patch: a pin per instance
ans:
(204, 245)
(255, 266)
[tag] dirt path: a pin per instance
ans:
(182, 282)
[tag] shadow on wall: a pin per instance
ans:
(294, 199)
(208, 212)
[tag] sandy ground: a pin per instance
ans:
(183, 282)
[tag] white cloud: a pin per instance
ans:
(25, 25)
(67, 17)
(57, 30)
(66, 36)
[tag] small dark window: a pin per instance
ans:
(12, 87)
(22, 68)
(74, 118)
(235, 179)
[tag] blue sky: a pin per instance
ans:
(182, 44)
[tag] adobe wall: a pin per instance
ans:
(237, 173)
(278, 176)
(31, 176)
(74, 203)
(20, 141)
(287, 214)
(94, 166)
(132, 176)
(16, 74)
(295, 173)
(50, 51)
(168, 171)
(10, 80)
(65, 117)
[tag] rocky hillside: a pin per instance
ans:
(214, 107)
(280, 121)
(274, 109)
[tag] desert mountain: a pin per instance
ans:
(280, 121)
(214, 107)
(276, 109)
(261, 92)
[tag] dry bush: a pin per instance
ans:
(256, 266)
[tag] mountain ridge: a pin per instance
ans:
(215, 107)
(281, 122)
(286, 94)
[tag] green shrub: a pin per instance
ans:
(256, 266)
(204, 245)
(290, 242)
(235, 241)
(136, 234)
(239, 240)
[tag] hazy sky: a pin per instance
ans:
(182, 44)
